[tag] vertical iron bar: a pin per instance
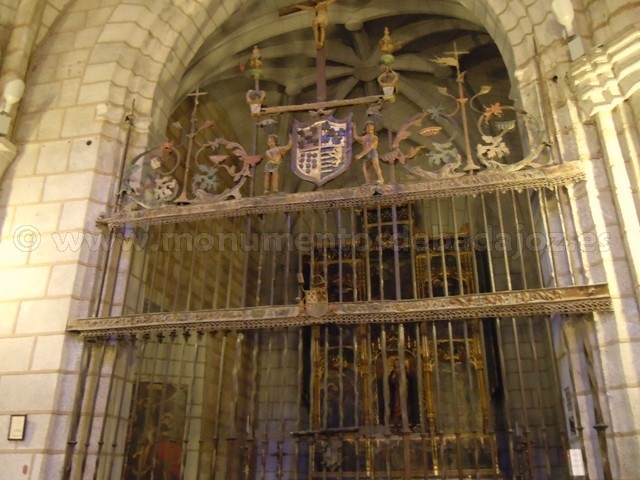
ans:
(181, 364)
(105, 270)
(430, 248)
(396, 251)
(570, 247)
(356, 280)
(273, 251)
(92, 407)
(540, 398)
(287, 259)
(340, 396)
(143, 240)
(505, 373)
(452, 365)
(438, 425)
(420, 378)
(442, 247)
(413, 250)
(314, 400)
(372, 421)
(205, 268)
(119, 411)
(472, 249)
(154, 270)
(103, 430)
(165, 282)
(368, 249)
(489, 249)
(599, 426)
(340, 378)
(299, 384)
(230, 275)
(191, 277)
(232, 431)
(179, 277)
(340, 262)
(519, 235)
(163, 396)
(216, 434)
(189, 417)
(300, 269)
(155, 363)
(505, 256)
(534, 232)
(386, 394)
(558, 409)
(385, 376)
(247, 255)
(269, 387)
(456, 246)
(420, 358)
(251, 413)
(471, 382)
(260, 269)
(312, 252)
(548, 240)
(134, 395)
(136, 306)
(114, 284)
(216, 279)
(72, 439)
(578, 419)
(488, 424)
(284, 391)
(356, 394)
(325, 256)
(380, 242)
(523, 406)
(404, 402)
(404, 395)
(325, 380)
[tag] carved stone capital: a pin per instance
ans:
(608, 74)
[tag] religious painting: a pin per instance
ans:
(321, 149)
(157, 426)
(396, 401)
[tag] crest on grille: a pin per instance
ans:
(322, 149)
(316, 298)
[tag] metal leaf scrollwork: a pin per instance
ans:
(454, 154)
(492, 153)
(149, 180)
(230, 158)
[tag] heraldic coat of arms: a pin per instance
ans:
(322, 149)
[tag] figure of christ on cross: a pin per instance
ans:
(320, 19)
(320, 22)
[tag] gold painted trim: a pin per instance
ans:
(545, 301)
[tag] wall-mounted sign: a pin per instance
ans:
(17, 426)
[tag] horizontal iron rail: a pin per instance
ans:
(491, 181)
(544, 301)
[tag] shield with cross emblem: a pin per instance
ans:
(321, 149)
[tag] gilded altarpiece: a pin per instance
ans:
(400, 400)
(396, 400)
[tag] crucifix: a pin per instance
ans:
(320, 22)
